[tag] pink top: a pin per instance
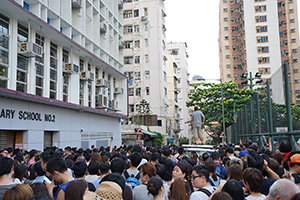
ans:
(30, 162)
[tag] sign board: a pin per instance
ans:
(222, 135)
(281, 129)
(139, 131)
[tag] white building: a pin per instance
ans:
(180, 60)
(145, 60)
(61, 77)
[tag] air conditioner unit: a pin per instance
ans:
(120, 4)
(118, 90)
(103, 27)
(257, 17)
(91, 76)
(83, 75)
(258, 37)
(257, 27)
(165, 58)
(30, 49)
(68, 68)
(76, 4)
(260, 58)
(256, 7)
(99, 101)
(121, 44)
(144, 18)
(100, 83)
(258, 47)
(105, 101)
(115, 105)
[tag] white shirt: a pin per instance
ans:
(198, 195)
(250, 197)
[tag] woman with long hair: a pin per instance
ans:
(156, 188)
(140, 192)
(18, 192)
(182, 171)
(179, 190)
(214, 180)
(235, 172)
(96, 156)
(234, 189)
(20, 173)
(76, 190)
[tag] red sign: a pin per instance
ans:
(139, 132)
(222, 135)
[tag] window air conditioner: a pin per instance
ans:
(100, 83)
(103, 27)
(143, 18)
(83, 75)
(30, 49)
(68, 68)
(118, 90)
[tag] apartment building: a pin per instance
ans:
(145, 60)
(178, 88)
(256, 36)
(61, 77)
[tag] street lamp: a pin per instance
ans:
(245, 79)
(223, 115)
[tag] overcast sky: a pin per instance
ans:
(196, 22)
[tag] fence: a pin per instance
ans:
(260, 118)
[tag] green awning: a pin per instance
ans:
(169, 140)
(149, 133)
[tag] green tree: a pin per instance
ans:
(157, 141)
(144, 112)
(209, 101)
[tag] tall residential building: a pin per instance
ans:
(179, 70)
(256, 36)
(145, 60)
(61, 73)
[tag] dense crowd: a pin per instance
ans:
(232, 172)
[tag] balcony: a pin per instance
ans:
(76, 4)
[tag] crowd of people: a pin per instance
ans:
(232, 172)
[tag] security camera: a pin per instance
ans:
(81, 130)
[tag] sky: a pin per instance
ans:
(196, 22)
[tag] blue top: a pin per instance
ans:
(62, 188)
(96, 182)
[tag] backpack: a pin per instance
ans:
(205, 191)
(132, 180)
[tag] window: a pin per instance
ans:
(265, 49)
(159, 122)
(296, 70)
(292, 20)
(147, 90)
(297, 91)
(293, 30)
(225, 19)
(4, 50)
(291, 10)
(293, 40)
(228, 66)
(297, 81)
(136, 28)
(136, 13)
(145, 11)
(264, 39)
(146, 59)
(131, 108)
(225, 10)
(65, 88)
(53, 70)
(146, 42)
(263, 18)
(128, 45)
(128, 60)
(226, 28)
(228, 75)
(146, 27)
(226, 47)
(22, 73)
(227, 56)
(166, 91)
(260, 29)
(137, 91)
(131, 91)
(226, 37)
(147, 74)
(137, 59)
(127, 14)
(165, 76)
(127, 29)
(137, 75)
(294, 50)
(137, 44)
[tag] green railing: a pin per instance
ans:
(260, 118)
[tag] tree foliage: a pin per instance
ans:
(209, 101)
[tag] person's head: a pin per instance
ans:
(45, 157)
(68, 150)
(160, 170)
(155, 157)
(20, 171)
(179, 190)
(221, 196)
(117, 165)
(79, 169)
(255, 161)
(253, 179)
(236, 161)
(180, 150)
(18, 192)
(93, 167)
(196, 108)
(295, 162)
(147, 171)
(277, 156)
(6, 166)
(104, 168)
(229, 151)
(181, 170)
(39, 189)
(205, 156)
(56, 167)
(285, 146)
(166, 152)
(234, 189)
(109, 190)
(282, 189)
(200, 176)
(296, 196)
(76, 189)
(116, 178)
(155, 186)
(97, 156)
(273, 164)
(235, 172)
(169, 168)
(135, 159)
(215, 156)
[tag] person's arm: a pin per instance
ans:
(219, 188)
(61, 195)
(270, 172)
(50, 186)
(110, 146)
(270, 144)
(203, 119)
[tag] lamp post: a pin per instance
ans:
(223, 115)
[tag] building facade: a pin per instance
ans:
(256, 36)
(61, 76)
(145, 61)
(179, 70)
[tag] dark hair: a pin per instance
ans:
(169, 168)
(155, 156)
(40, 197)
(211, 165)
(180, 150)
(19, 157)
(87, 156)
(215, 155)
(39, 189)
(47, 155)
(69, 162)
(229, 150)
(221, 196)
(296, 196)
(255, 161)
(37, 167)
(154, 184)
(285, 146)
(177, 192)
(114, 177)
(93, 167)
(167, 152)
(117, 165)
(135, 159)
(148, 169)
(277, 156)
(20, 171)
(10, 149)
(196, 108)
(68, 148)
(79, 169)
(75, 190)
(202, 170)
(205, 156)
(254, 178)
(234, 189)
(137, 148)
(6, 165)
(56, 164)
(225, 160)
(235, 172)
(160, 170)
(104, 168)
